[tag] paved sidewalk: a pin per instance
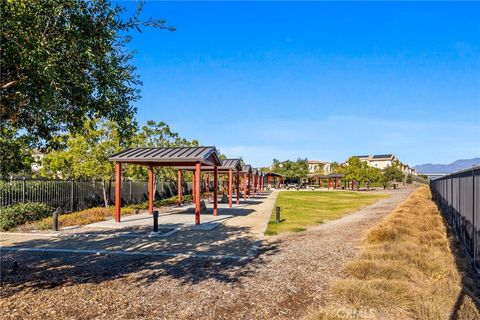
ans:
(234, 233)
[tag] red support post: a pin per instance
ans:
(179, 188)
(250, 186)
(230, 178)
(328, 181)
(150, 189)
(238, 187)
(245, 186)
(215, 190)
(118, 190)
(197, 192)
(252, 189)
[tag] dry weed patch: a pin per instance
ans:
(410, 268)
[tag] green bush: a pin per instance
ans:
(409, 178)
(17, 214)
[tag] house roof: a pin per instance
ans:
(316, 161)
(361, 156)
(169, 156)
(382, 156)
(254, 171)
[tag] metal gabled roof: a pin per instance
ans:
(227, 164)
(168, 155)
(234, 164)
(273, 174)
(247, 168)
(254, 171)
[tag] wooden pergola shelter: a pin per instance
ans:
(255, 179)
(247, 176)
(167, 157)
(228, 167)
(333, 179)
(262, 181)
(274, 176)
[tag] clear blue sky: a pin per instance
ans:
(320, 80)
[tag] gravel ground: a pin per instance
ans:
(288, 278)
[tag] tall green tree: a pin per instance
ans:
(156, 134)
(64, 62)
(16, 151)
(372, 175)
(355, 170)
(391, 174)
(86, 155)
(293, 171)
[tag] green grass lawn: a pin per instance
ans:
(301, 209)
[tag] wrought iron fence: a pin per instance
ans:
(458, 197)
(77, 195)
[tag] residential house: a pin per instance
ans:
(383, 161)
(315, 165)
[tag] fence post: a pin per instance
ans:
(473, 220)
(23, 190)
(71, 195)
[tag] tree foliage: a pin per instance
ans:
(293, 171)
(391, 174)
(156, 134)
(359, 171)
(65, 62)
(16, 151)
(85, 156)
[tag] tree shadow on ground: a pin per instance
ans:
(229, 255)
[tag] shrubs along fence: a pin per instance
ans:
(78, 195)
(458, 197)
(20, 213)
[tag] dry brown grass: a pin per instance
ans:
(78, 218)
(409, 268)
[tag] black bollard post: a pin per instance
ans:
(277, 214)
(155, 221)
(55, 215)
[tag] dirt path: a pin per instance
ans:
(289, 277)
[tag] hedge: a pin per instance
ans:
(17, 214)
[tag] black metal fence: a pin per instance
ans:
(78, 195)
(458, 197)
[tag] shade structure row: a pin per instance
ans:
(195, 160)
(333, 179)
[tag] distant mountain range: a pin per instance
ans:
(447, 168)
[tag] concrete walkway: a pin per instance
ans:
(234, 233)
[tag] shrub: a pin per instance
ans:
(17, 214)
(409, 179)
